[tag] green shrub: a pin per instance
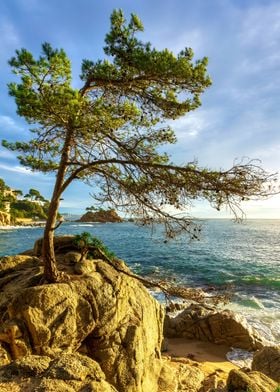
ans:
(91, 246)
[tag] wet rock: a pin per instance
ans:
(267, 361)
(219, 327)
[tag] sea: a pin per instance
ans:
(241, 258)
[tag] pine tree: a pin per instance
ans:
(109, 131)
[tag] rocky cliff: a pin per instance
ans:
(106, 320)
(5, 218)
(101, 216)
(99, 331)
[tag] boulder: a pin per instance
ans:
(56, 317)
(10, 264)
(106, 315)
(16, 274)
(67, 373)
(267, 361)
(62, 244)
(240, 381)
(219, 327)
(182, 378)
(189, 378)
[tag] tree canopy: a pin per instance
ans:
(108, 132)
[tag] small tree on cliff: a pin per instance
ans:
(107, 132)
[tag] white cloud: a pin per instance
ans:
(193, 124)
(18, 169)
(6, 154)
(9, 125)
(9, 39)
(9, 35)
(261, 27)
(191, 38)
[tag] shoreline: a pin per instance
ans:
(257, 310)
(23, 225)
(208, 357)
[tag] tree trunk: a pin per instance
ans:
(51, 271)
(50, 268)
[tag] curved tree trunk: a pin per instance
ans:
(51, 271)
(50, 268)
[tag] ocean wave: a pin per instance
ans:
(240, 357)
(8, 228)
(261, 281)
(251, 302)
(84, 225)
(265, 320)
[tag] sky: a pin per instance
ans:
(240, 112)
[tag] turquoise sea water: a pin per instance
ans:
(244, 258)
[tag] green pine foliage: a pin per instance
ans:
(110, 132)
(29, 209)
(91, 246)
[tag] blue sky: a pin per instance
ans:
(240, 113)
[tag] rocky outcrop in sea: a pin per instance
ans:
(102, 216)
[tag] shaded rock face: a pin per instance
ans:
(239, 381)
(108, 316)
(101, 216)
(267, 361)
(207, 324)
(62, 244)
(68, 373)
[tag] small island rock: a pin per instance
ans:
(101, 216)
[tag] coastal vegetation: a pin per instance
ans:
(110, 132)
(91, 247)
(101, 215)
(30, 206)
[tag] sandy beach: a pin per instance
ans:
(210, 358)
